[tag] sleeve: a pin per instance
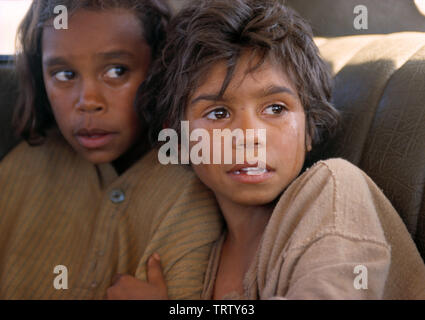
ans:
(337, 267)
(185, 278)
(184, 239)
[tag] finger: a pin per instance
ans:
(109, 294)
(116, 278)
(155, 273)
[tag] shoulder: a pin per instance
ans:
(358, 202)
(350, 184)
(176, 195)
(54, 146)
(169, 179)
(333, 197)
(335, 168)
(341, 169)
(325, 175)
(47, 161)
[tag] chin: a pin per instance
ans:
(99, 158)
(255, 199)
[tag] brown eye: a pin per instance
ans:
(274, 109)
(116, 72)
(218, 114)
(65, 75)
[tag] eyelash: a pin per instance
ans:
(216, 110)
(54, 74)
(282, 106)
(124, 70)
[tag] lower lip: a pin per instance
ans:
(95, 142)
(251, 179)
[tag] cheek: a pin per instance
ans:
(60, 106)
(288, 141)
(297, 131)
(202, 145)
(195, 123)
(121, 103)
(53, 95)
(59, 98)
(208, 174)
(201, 172)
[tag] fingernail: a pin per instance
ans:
(156, 256)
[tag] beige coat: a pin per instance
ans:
(57, 209)
(330, 227)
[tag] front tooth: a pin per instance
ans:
(256, 173)
(253, 171)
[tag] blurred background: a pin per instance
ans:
(11, 14)
(329, 18)
(332, 18)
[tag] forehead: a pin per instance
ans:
(91, 31)
(269, 73)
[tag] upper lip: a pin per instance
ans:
(91, 132)
(239, 167)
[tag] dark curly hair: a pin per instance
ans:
(211, 31)
(33, 113)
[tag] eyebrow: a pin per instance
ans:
(53, 61)
(208, 97)
(275, 90)
(269, 91)
(115, 55)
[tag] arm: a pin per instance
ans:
(183, 237)
(126, 287)
(329, 269)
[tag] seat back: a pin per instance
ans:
(8, 96)
(380, 91)
(332, 18)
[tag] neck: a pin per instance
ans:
(245, 223)
(130, 157)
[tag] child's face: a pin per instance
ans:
(264, 99)
(91, 73)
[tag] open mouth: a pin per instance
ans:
(94, 139)
(251, 171)
(251, 174)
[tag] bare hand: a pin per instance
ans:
(126, 287)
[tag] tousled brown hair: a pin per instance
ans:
(33, 115)
(211, 31)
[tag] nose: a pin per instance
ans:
(90, 98)
(252, 128)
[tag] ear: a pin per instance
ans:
(308, 143)
(309, 133)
